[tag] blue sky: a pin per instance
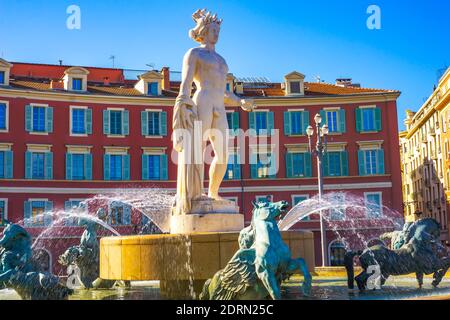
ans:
(259, 38)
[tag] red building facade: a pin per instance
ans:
(72, 133)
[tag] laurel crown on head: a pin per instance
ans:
(205, 17)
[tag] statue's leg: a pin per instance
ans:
(270, 281)
(419, 277)
(300, 264)
(219, 142)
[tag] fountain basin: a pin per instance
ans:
(182, 263)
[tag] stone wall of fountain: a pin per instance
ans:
(182, 262)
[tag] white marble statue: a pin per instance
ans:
(202, 117)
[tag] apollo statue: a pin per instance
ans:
(202, 117)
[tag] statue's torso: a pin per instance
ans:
(210, 73)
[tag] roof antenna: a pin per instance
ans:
(60, 62)
(113, 58)
(151, 65)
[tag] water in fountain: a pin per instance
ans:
(346, 215)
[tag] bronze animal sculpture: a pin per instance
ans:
(263, 261)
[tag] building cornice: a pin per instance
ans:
(71, 97)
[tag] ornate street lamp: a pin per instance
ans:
(319, 151)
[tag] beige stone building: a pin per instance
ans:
(425, 158)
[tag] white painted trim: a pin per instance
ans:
(373, 106)
(117, 150)
(5, 146)
(5, 200)
(294, 188)
(6, 130)
(154, 150)
(154, 110)
(115, 109)
(39, 147)
(36, 199)
(79, 149)
(296, 110)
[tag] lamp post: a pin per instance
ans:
(319, 151)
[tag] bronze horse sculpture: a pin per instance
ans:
(262, 263)
(419, 252)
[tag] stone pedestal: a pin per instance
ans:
(208, 215)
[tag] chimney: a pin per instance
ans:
(347, 83)
(239, 88)
(106, 81)
(166, 78)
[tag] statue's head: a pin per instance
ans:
(13, 234)
(207, 29)
(266, 210)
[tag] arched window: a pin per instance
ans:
(42, 259)
(337, 254)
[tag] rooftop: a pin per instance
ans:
(122, 82)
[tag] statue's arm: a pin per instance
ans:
(232, 100)
(187, 75)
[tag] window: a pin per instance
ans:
(335, 164)
(335, 119)
(374, 205)
(263, 165)
(2, 165)
(39, 165)
(233, 123)
(368, 119)
(81, 121)
(77, 84)
(78, 167)
(337, 254)
(3, 117)
(234, 168)
(371, 162)
(153, 89)
(116, 167)
(3, 212)
(298, 165)
(2, 77)
(38, 213)
(228, 87)
(265, 198)
(119, 214)
(75, 207)
(38, 119)
(154, 167)
(295, 87)
(296, 122)
(338, 202)
(299, 199)
(154, 123)
(262, 122)
(332, 121)
(116, 122)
